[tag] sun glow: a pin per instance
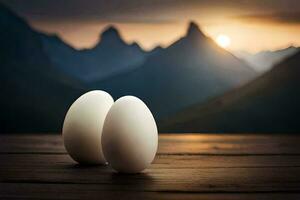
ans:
(223, 41)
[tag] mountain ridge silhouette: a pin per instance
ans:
(44, 75)
(269, 104)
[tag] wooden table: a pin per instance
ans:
(187, 166)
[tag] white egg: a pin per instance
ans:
(129, 138)
(83, 124)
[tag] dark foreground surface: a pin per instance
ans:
(190, 166)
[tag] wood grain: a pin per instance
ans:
(237, 144)
(192, 166)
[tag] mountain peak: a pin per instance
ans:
(194, 30)
(110, 35)
(135, 44)
(110, 32)
(292, 47)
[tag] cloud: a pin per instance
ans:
(153, 11)
(278, 17)
(110, 11)
(104, 19)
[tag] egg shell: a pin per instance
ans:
(83, 124)
(130, 137)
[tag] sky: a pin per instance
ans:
(251, 25)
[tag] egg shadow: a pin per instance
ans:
(96, 168)
(84, 166)
(140, 181)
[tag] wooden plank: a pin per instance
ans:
(74, 191)
(190, 166)
(62, 161)
(167, 174)
(237, 144)
(171, 180)
(171, 144)
(37, 143)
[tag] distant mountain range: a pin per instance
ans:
(192, 70)
(109, 57)
(191, 86)
(268, 104)
(35, 95)
(265, 60)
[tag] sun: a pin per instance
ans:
(223, 41)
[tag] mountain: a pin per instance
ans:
(110, 56)
(40, 75)
(35, 95)
(265, 60)
(192, 70)
(268, 104)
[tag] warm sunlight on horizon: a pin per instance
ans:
(252, 26)
(148, 36)
(223, 41)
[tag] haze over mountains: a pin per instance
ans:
(41, 75)
(265, 60)
(110, 56)
(191, 70)
(268, 104)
